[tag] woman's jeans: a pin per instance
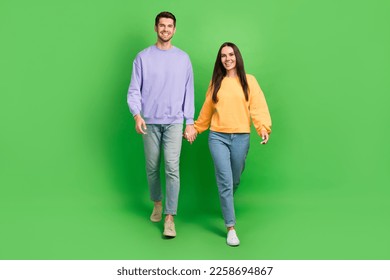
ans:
(169, 137)
(228, 151)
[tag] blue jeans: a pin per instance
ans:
(229, 151)
(168, 137)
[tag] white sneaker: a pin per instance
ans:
(232, 239)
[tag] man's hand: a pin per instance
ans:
(264, 136)
(190, 133)
(140, 125)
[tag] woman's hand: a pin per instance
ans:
(264, 136)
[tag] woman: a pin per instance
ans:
(232, 99)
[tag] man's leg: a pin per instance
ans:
(172, 140)
(152, 147)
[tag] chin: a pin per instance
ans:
(165, 40)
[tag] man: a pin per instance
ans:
(160, 98)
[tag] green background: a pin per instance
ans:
(73, 183)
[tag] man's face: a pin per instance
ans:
(165, 29)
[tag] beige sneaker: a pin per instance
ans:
(156, 214)
(169, 229)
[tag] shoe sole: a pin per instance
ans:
(169, 235)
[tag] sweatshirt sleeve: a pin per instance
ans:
(258, 108)
(134, 92)
(206, 113)
(188, 105)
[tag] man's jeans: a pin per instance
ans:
(229, 151)
(169, 137)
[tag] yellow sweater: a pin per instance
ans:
(232, 113)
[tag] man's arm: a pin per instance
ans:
(188, 107)
(134, 92)
(134, 97)
(188, 103)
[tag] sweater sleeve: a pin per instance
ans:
(204, 118)
(134, 92)
(188, 105)
(258, 108)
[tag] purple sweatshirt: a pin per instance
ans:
(162, 86)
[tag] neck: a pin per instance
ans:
(231, 73)
(163, 45)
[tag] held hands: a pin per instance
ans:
(190, 133)
(140, 125)
(264, 136)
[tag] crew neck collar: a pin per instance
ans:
(164, 50)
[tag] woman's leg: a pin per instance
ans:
(238, 151)
(219, 147)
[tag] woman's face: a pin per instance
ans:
(228, 58)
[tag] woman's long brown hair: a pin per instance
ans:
(220, 72)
